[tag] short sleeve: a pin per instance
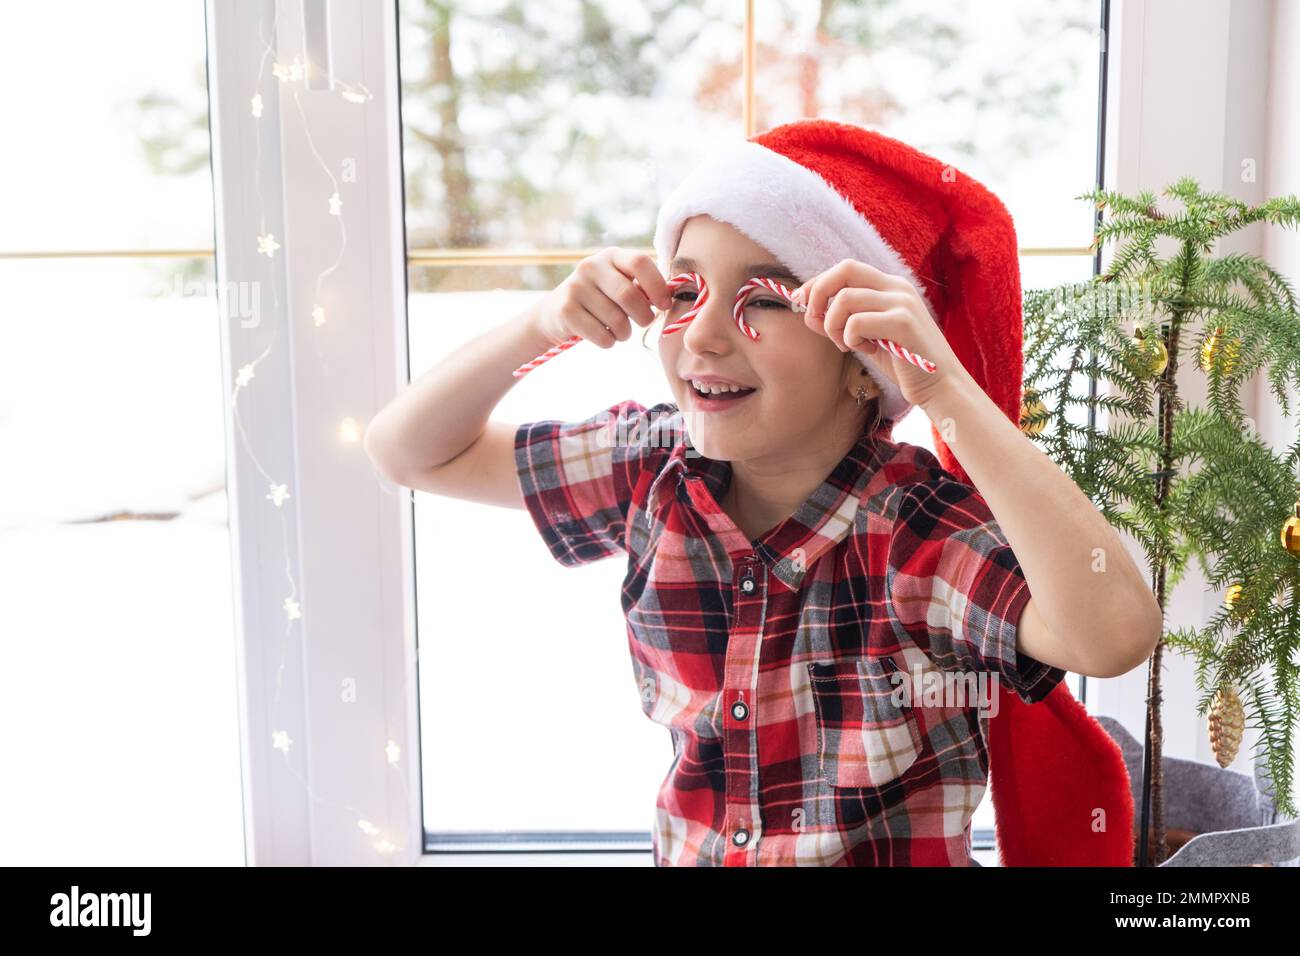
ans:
(956, 587)
(578, 478)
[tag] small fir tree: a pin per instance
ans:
(1186, 482)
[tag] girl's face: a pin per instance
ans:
(803, 385)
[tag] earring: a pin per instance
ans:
(862, 397)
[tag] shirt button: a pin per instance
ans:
(740, 837)
(739, 710)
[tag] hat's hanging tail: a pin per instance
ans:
(1061, 793)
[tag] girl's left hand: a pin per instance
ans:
(871, 304)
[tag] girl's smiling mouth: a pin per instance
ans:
(711, 394)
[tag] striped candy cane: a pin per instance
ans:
(762, 282)
(673, 285)
(738, 313)
(738, 308)
(893, 347)
(546, 356)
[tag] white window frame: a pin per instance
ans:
(349, 541)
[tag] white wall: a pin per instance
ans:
(1281, 177)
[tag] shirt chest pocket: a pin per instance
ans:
(865, 737)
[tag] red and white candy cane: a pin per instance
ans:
(737, 311)
(738, 308)
(673, 285)
(922, 363)
(762, 282)
(546, 356)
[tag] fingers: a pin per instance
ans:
(863, 328)
(644, 278)
(595, 310)
(848, 302)
(817, 292)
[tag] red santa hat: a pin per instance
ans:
(814, 192)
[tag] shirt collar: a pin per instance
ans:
(824, 519)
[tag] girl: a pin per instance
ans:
(820, 616)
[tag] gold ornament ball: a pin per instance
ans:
(1291, 533)
(1152, 357)
(1031, 407)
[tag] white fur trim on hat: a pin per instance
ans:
(793, 213)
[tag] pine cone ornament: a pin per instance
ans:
(1227, 725)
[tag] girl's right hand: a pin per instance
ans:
(598, 302)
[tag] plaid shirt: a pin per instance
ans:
(770, 661)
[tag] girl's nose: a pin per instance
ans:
(713, 328)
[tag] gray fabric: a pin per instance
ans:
(1234, 814)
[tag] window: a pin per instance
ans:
(115, 552)
(531, 141)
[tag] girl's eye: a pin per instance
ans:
(767, 304)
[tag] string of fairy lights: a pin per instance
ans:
(290, 76)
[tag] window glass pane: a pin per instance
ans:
(553, 127)
(121, 725)
(533, 655)
(521, 133)
(1007, 92)
(109, 150)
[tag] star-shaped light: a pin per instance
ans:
(267, 245)
(257, 104)
(245, 375)
(367, 827)
(281, 741)
(353, 96)
(349, 430)
(318, 314)
(336, 205)
(291, 608)
(289, 72)
(278, 494)
(393, 751)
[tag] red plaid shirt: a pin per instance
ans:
(770, 661)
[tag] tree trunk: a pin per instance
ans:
(1153, 769)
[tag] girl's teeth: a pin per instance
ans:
(718, 389)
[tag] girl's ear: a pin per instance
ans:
(855, 374)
